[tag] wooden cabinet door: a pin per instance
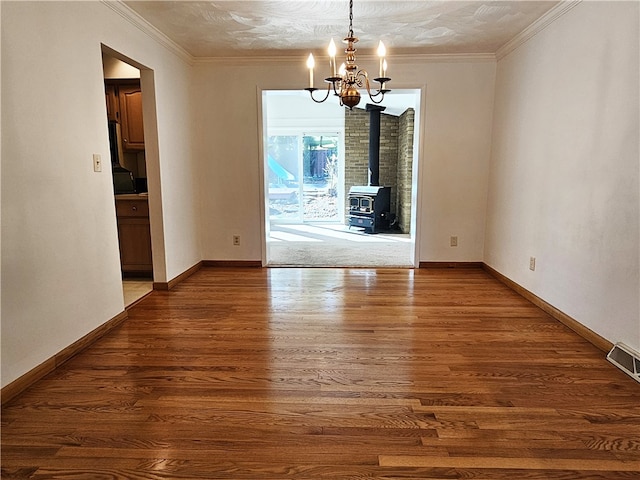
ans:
(135, 245)
(134, 235)
(113, 103)
(130, 97)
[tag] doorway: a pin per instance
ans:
(123, 95)
(308, 168)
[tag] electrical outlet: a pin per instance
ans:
(97, 162)
(532, 263)
(454, 241)
(236, 240)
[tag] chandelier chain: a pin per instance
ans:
(350, 18)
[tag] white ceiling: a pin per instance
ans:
(258, 27)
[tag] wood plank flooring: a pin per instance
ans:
(330, 374)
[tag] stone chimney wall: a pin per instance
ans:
(405, 169)
(389, 155)
(356, 148)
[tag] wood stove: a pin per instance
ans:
(369, 207)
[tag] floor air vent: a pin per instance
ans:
(626, 359)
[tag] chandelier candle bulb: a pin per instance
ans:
(381, 53)
(310, 64)
(332, 58)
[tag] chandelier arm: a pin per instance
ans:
(372, 96)
(383, 87)
(311, 90)
(361, 79)
(337, 87)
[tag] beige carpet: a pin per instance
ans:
(334, 245)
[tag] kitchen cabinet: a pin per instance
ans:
(130, 100)
(134, 234)
(124, 105)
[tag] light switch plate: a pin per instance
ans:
(97, 162)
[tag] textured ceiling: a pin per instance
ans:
(238, 28)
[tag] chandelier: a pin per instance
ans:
(348, 79)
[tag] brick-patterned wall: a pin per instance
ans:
(396, 158)
(356, 149)
(389, 155)
(405, 169)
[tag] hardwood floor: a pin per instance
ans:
(330, 374)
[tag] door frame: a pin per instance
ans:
(152, 161)
(420, 93)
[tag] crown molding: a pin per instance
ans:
(248, 60)
(145, 27)
(442, 57)
(536, 27)
(300, 58)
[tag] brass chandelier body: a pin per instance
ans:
(346, 83)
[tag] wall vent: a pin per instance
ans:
(626, 360)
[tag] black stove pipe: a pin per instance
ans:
(374, 143)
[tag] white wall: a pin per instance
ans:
(455, 159)
(564, 169)
(292, 111)
(227, 148)
(116, 69)
(60, 261)
(454, 162)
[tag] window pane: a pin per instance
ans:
(320, 166)
(284, 184)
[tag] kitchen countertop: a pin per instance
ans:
(132, 196)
